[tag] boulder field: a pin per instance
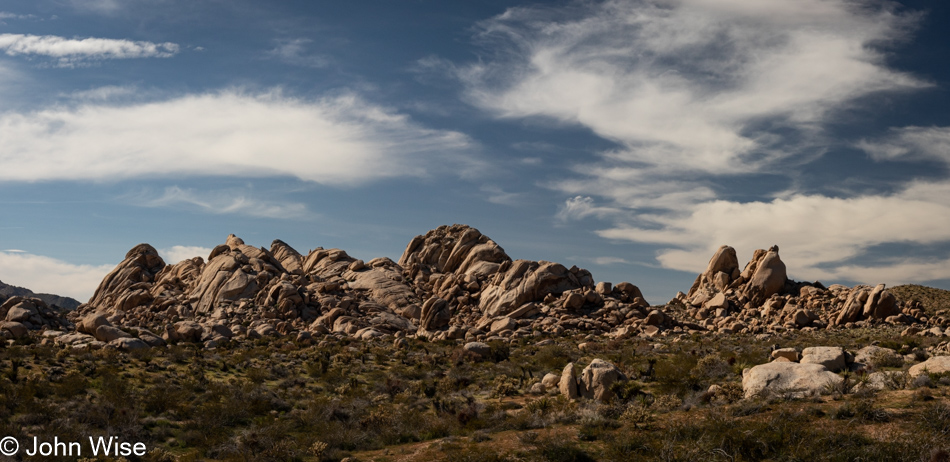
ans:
(451, 283)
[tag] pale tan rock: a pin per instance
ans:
(769, 277)
(789, 353)
(788, 378)
(110, 333)
(832, 358)
(934, 365)
(568, 383)
(597, 379)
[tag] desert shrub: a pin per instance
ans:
(553, 357)
(559, 449)
(504, 386)
(72, 384)
(711, 367)
(627, 390)
(674, 374)
(936, 418)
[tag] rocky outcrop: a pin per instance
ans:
(451, 283)
(761, 298)
(7, 291)
(20, 315)
(127, 286)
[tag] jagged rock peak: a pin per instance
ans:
(129, 282)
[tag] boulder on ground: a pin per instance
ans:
(128, 344)
(568, 383)
(796, 379)
(110, 333)
(833, 358)
(482, 350)
(788, 353)
(597, 379)
(934, 365)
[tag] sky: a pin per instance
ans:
(631, 138)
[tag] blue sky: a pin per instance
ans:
(631, 138)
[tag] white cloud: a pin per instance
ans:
(341, 140)
(9, 15)
(911, 143)
(49, 275)
(610, 261)
(178, 253)
(689, 86)
(817, 235)
(580, 207)
(297, 52)
(497, 195)
(696, 93)
(227, 202)
(70, 51)
(106, 93)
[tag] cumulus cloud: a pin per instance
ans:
(177, 253)
(49, 275)
(817, 235)
(340, 140)
(70, 51)
(227, 202)
(697, 93)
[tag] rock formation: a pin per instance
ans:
(451, 283)
(761, 298)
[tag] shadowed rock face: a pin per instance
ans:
(453, 282)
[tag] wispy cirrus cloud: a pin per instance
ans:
(910, 143)
(698, 93)
(226, 202)
(297, 52)
(341, 140)
(69, 51)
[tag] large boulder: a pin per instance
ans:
(436, 314)
(458, 249)
(597, 379)
(385, 284)
(832, 358)
(137, 271)
(528, 281)
(568, 383)
(934, 365)
(880, 304)
(768, 278)
(723, 268)
(785, 378)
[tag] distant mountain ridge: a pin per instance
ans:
(7, 291)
